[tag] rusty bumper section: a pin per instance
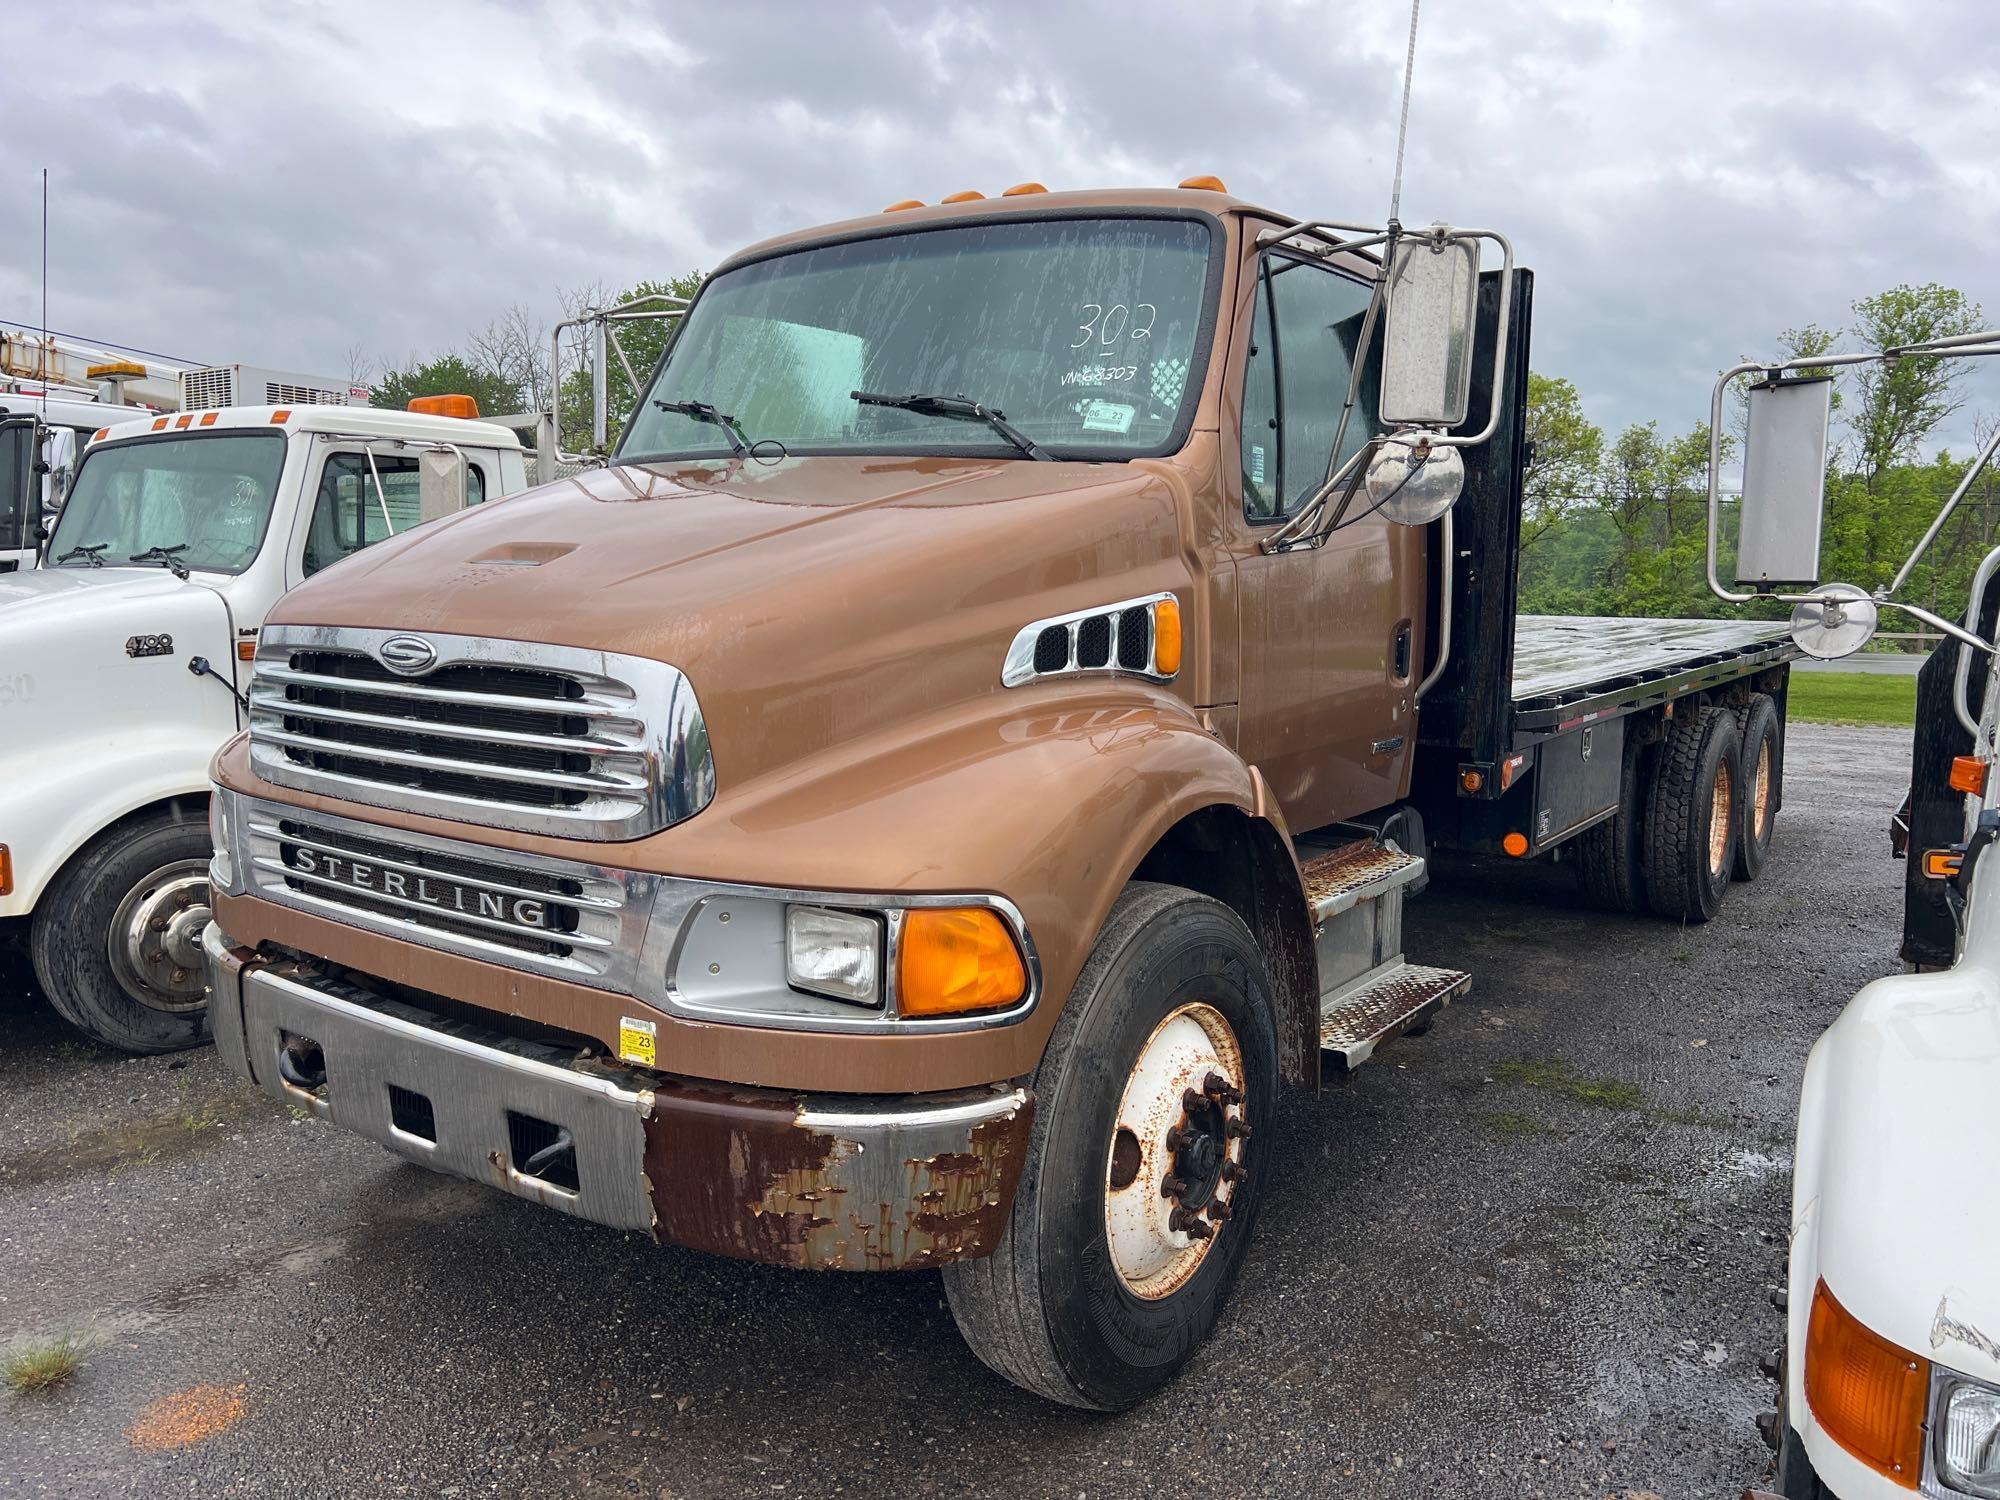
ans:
(812, 1181)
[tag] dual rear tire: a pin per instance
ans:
(1696, 811)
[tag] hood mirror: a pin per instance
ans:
(1837, 622)
(1431, 302)
(441, 483)
(1784, 484)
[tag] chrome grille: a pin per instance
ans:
(507, 734)
(573, 921)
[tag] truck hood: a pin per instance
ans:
(1908, 1213)
(807, 600)
(72, 589)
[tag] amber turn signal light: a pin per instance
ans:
(1942, 864)
(1968, 774)
(1515, 844)
(1167, 636)
(6, 871)
(954, 959)
(1867, 1392)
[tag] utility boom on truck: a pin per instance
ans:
(123, 659)
(920, 803)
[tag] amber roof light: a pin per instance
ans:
(1205, 183)
(1020, 189)
(896, 208)
(970, 195)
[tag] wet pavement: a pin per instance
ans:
(1526, 1254)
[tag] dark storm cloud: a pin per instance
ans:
(1689, 177)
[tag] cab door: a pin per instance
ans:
(347, 512)
(1330, 635)
(20, 492)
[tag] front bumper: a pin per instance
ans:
(822, 1182)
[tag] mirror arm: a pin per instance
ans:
(1362, 346)
(381, 500)
(1964, 484)
(1444, 606)
(1350, 472)
(1937, 622)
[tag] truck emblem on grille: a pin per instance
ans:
(407, 655)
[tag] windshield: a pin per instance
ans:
(1081, 331)
(210, 494)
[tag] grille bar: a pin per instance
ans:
(283, 673)
(384, 862)
(445, 729)
(574, 781)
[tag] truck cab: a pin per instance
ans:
(41, 439)
(917, 806)
(124, 655)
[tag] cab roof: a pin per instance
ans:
(367, 421)
(1027, 205)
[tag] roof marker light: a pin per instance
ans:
(464, 407)
(1206, 183)
(182, 420)
(1020, 189)
(208, 418)
(970, 195)
(160, 423)
(896, 208)
(282, 414)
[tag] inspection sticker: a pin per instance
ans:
(1107, 416)
(638, 1041)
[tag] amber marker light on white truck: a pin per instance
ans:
(1868, 1393)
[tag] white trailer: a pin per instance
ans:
(124, 656)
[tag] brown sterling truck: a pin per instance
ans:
(968, 751)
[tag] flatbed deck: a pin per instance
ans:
(1572, 668)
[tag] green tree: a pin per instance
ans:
(1899, 403)
(445, 375)
(1565, 450)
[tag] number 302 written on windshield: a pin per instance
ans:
(1107, 325)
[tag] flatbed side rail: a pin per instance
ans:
(1557, 713)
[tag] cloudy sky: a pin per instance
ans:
(279, 183)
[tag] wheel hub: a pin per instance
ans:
(155, 938)
(1177, 1152)
(1719, 813)
(1760, 791)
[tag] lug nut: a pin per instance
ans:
(1193, 1102)
(1236, 1130)
(1234, 1171)
(1219, 1211)
(1773, 1364)
(1177, 1139)
(1172, 1187)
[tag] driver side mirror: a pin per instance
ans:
(441, 483)
(1430, 310)
(1784, 483)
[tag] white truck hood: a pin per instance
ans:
(71, 588)
(1908, 1213)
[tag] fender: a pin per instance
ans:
(1052, 797)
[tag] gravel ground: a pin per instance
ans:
(1527, 1254)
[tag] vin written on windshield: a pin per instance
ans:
(1081, 334)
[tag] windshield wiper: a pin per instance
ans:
(166, 557)
(91, 553)
(702, 411)
(964, 409)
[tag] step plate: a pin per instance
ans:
(1353, 1028)
(1335, 882)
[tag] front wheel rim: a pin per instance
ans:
(154, 942)
(1175, 1167)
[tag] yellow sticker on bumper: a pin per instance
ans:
(638, 1041)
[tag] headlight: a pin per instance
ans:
(834, 953)
(1968, 1441)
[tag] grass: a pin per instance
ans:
(1555, 1077)
(41, 1364)
(1852, 698)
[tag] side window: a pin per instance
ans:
(1260, 415)
(348, 515)
(1319, 314)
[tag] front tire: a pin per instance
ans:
(116, 941)
(1141, 1184)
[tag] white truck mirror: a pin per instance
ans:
(441, 483)
(20, 484)
(1431, 302)
(1784, 483)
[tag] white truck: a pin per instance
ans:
(42, 434)
(1889, 1377)
(123, 658)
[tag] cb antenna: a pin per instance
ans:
(1403, 126)
(45, 361)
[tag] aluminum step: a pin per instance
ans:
(1342, 879)
(1382, 1005)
